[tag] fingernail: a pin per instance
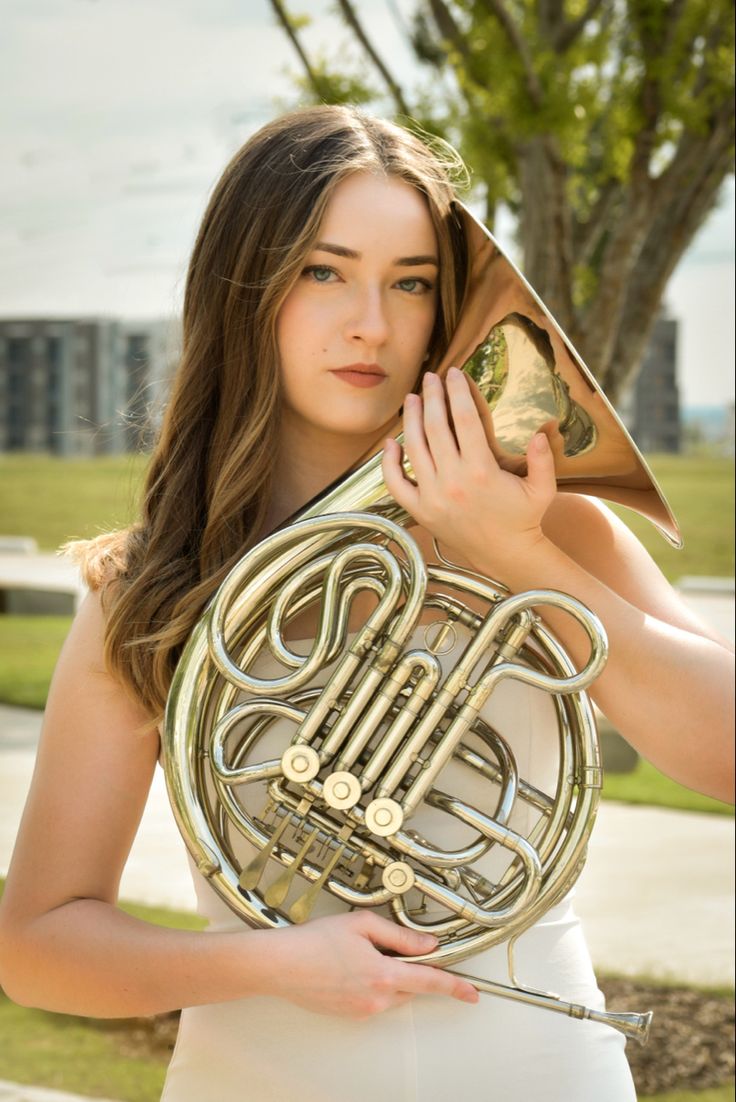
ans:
(541, 443)
(454, 371)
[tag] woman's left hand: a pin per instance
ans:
(462, 496)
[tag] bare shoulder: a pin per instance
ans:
(90, 715)
(82, 669)
(84, 645)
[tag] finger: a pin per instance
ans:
(398, 485)
(469, 429)
(415, 442)
(516, 464)
(389, 935)
(421, 979)
(540, 462)
(440, 437)
(555, 439)
(486, 417)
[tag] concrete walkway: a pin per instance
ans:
(20, 1092)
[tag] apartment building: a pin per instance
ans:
(81, 386)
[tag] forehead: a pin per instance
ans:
(367, 208)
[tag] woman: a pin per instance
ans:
(323, 287)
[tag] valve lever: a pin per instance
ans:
(253, 871)
(277, 892)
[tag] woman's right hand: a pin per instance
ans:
(335, 965)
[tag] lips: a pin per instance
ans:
(360, 375)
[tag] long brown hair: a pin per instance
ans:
(209, 480)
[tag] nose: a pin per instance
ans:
(368, 321)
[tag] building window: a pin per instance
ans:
(19, 359)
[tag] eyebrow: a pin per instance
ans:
(351, 254)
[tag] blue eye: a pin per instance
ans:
(414, 286)
(320, 273)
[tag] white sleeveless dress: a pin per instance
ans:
(431, 1049)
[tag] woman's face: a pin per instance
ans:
(355, 328)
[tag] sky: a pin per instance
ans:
(116, 119)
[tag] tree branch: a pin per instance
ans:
(674, 14)
(282, 17)
(568, 32)
(516, 38)
(693, 149)
(712, 41)
(650, 105)
(356, 27)
(670, 234)
(598, 325)
(549, 15)
(622, 249)
(449, 30)
(681, 199)
(586, 235)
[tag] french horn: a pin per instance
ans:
(336, 771)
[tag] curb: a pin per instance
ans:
(22, 1092)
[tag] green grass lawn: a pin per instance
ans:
(717, 1094)
(85, 1055)
(646, 785)
(74, 1054)
(29, 648)
(700, 491)
(54, 500)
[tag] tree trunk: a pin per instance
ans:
(546, 227)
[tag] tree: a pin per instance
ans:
(605, 126)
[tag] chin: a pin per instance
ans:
(364, 424)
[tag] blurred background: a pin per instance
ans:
(599, 141)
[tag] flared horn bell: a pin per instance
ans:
(532, 379)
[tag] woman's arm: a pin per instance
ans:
(65, 946)
(668, 683)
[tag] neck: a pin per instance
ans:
(309, 460)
